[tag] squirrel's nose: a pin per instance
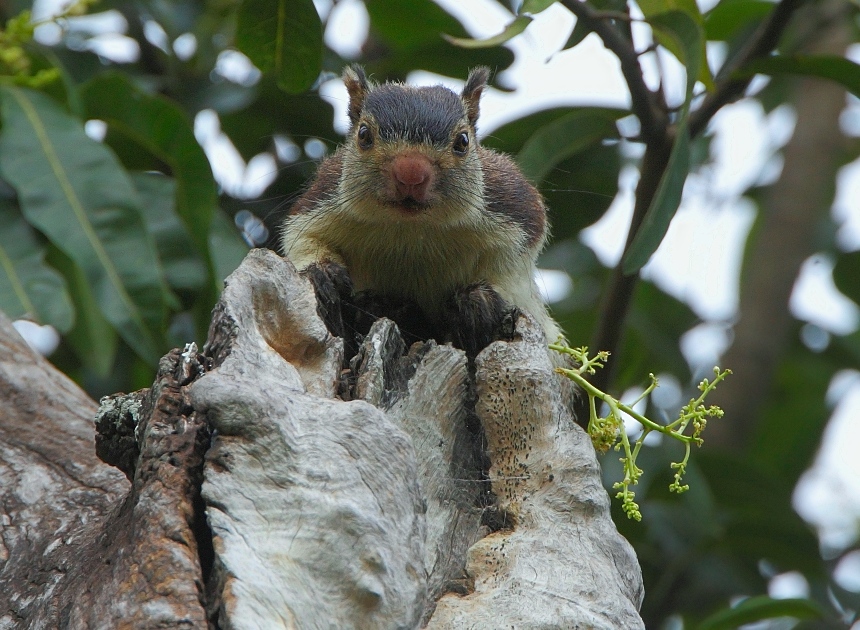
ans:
(413, 175)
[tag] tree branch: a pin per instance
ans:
(646, 103)
(759, 45)
(657, 134)
(616, 301)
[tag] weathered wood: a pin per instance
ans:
(317, 504)
(559, 562)
(313, 503)
(81, 549)
(431, 492)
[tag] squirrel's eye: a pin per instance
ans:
(365, 137)
(461, 143)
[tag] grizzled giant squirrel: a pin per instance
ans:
(412, 210)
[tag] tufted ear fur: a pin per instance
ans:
(475, 84)
(357, 86)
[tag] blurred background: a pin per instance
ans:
(166, 152)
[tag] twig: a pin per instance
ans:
(656, 132)
(647, 105)
(759, 45)
(614, 15)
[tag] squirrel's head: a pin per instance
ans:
(416, 146)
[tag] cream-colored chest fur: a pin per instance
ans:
(412, 257)
(424, 259)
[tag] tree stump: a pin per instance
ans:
(272, 489)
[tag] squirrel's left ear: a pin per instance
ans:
(475, 84)
(357, 86)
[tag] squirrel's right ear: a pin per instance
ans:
(475, 84)
(357, 86)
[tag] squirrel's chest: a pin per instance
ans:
(422, 262)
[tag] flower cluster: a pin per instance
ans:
(608, 431)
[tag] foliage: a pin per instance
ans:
(609, 430)
(122, 243)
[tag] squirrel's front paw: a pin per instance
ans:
(410, 319)
(332, 286)
(475, 316)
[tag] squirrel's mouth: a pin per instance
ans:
(409, 205)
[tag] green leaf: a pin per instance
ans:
(759, 608)
(846, 275)
(789, 416)
(578, 189)
(580, 31)
(274, 112)
(729, 16)
(581, 188)
(228, 248)
(183, 267)
(511, 30)
(650, 8)
(411, 33)
(92, 338)
(534, 7)
(163, 129)
(838, 69)
(684, 37)
(28, 286)
(284, 37)
(664, 205)
(75, 192)
(565, 137)
(655, 323)
(755, 516)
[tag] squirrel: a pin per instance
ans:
(443, 232)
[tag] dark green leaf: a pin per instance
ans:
(683, 36)
(511, 30)
(28, 286)
(846, 275)
(579, 32)
(565, 137)
(411, 35)
(729, 16)
(162, 128)
(793, 410)
(512, 137)
(656, 323)
(581, 188)
(578, 189)
(756, 519)
(650, 8)
(228, 248)
(759, 608)
(74, 191)
(663, 206)
(92, 338)
(838, 69)
(183, 267)
(284, 37)
(274, 112)
(534, 7)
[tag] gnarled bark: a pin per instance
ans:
(436, 494)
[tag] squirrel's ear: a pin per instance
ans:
(475, 84)
(357, 86)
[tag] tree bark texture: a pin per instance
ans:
(271, 488)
